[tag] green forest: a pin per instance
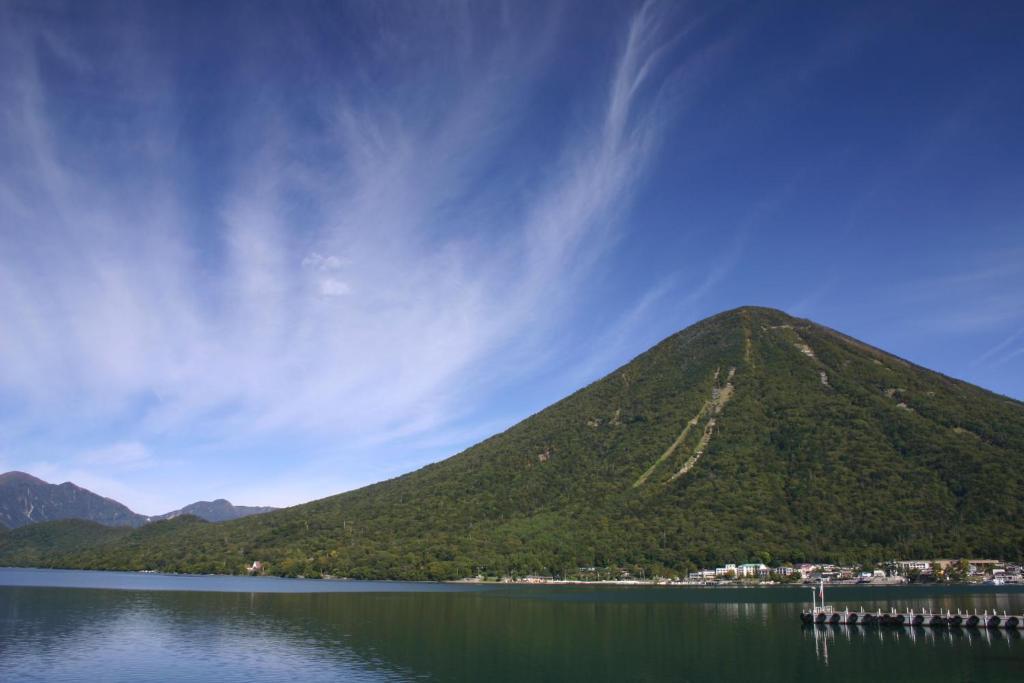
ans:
(750, 436)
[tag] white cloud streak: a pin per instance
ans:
(374, 314)
(123, 454)
(998, 354)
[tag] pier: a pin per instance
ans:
(827, 615)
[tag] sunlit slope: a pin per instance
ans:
(748, 435)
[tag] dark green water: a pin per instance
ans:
(145, 628)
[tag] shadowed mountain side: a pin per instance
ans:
(750, 435)
(24, 499)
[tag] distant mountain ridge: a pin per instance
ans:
(749, 436)
(219, 510)
(25, 499)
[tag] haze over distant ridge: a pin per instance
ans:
(25, 499)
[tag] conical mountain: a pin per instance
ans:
(750, 435)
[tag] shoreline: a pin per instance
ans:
(808, 585)
(555, 583)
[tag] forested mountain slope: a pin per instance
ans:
(751, 434)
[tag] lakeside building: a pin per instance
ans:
(910, 565)
(702, 575)
(751, 569)
(975, 566)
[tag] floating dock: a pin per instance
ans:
(827, 615)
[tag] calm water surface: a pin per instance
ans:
(105, 626)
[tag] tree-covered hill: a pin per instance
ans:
(750, 435)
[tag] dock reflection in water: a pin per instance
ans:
(827, 636)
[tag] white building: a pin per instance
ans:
(752, 569)
(920, 565)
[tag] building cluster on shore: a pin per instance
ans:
(895, 571)
(892, 572)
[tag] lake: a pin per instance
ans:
(60, 626)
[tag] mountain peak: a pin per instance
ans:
(219, 510)
(25, 499)
(749, 435)
(15, 476)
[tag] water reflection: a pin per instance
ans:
(60, 635)
(72, 635)
(956, 639)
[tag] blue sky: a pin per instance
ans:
(272, 252)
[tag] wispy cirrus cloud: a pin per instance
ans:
(979, 292)
(1003, 351)
(357, 276)
(122, 454)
